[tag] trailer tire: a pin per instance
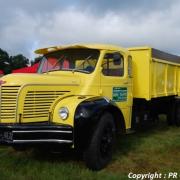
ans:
(171, 112)
(178, 113)
(99, 152)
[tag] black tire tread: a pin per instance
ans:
(91, 156)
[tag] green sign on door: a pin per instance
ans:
(119, 94)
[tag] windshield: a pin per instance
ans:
(81, 60)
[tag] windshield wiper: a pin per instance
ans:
(81, 70)
(73, 70)
(58, 61)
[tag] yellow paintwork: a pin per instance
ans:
(153, 77)
(108, 82)
(71, 103)
(178, 81)
(90, 46)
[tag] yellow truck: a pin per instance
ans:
(85, 94)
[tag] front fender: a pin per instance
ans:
(84, 114)
(87, 116)
(71, 102)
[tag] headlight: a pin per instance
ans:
(63, 113)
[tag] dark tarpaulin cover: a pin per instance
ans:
(165, 56)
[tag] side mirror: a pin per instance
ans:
(117, 58)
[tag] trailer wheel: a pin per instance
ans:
(171, 112)
(99, 151)
(178, 113)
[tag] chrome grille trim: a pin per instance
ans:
(43, 140)
(39, 131)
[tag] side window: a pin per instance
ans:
(113, 64)
(129, 66)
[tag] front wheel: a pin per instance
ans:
(99, 151)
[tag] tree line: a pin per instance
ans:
(9, 63)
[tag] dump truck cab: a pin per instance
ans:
(76, 86)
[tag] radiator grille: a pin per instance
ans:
(37, 103)
(8, 100)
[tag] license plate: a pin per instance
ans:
(8, 135)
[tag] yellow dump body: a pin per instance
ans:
(155, 73)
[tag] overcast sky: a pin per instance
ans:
(26, 25)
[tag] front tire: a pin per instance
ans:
(99, 152)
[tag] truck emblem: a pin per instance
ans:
(2, 82)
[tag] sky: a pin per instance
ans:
(26, 25)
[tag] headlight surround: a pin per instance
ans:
(63, 113)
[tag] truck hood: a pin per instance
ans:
(21, 79)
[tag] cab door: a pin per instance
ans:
(116, 83)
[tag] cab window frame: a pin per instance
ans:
(130, 67)
(116, 74)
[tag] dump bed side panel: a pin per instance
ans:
(178, 80)
(164, 79)
(141, 73)
(154, 77)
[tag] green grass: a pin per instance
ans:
(155, 150)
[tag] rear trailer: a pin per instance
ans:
(156, 85)
(155, 73)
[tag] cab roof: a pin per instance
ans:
(90, 46)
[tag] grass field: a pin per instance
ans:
(155, 150)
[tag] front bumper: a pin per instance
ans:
(36, 134)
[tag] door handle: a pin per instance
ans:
(125, 83)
